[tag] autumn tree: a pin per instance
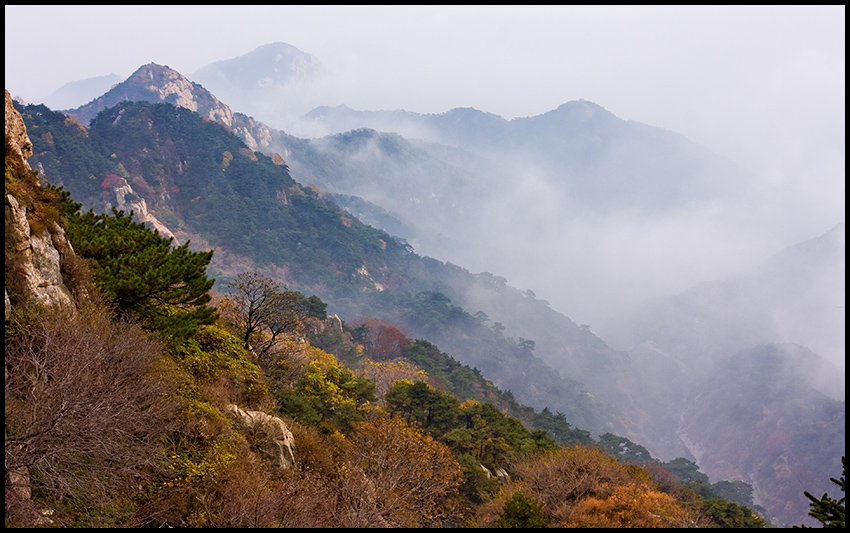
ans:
(410, 476)
(262, 311)
(327, 394)
(634, 505)
(381, 341)
(384, 375)
(583, 487)
(563, 478)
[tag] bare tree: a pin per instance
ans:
(86, 402)
(261, 310)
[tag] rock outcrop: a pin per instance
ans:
(33, 257)
(18, 142)
(127, 200)
(267, 435)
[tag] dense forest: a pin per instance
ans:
(160, 401)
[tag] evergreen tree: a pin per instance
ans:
(142, 274)
(826, 510)
(522, 512)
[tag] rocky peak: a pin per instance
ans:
(161, 84)
(127, 200)
(158, 83)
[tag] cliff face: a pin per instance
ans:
(34, 253)
(17, 140)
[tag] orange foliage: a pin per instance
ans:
(584, 487)
(630, 505)
(400, 477)
(383, 341)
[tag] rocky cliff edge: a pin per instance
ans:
(34, 253)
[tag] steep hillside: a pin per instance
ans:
(205, 184)
(754, 419)
(37, 256)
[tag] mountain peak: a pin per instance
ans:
(158, 83)
(268, 67)
(580, 110)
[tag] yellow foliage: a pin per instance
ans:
(409, 477)
(631, 505)
(584, 487)
(226, 158)
(321, 359)
(199, 466)
(469, 403)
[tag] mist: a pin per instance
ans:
(761, 86)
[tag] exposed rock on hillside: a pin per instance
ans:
(33, 260)
(33, 257)
(267, 434)
(127, 200)
(18, 142)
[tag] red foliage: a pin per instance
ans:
(111, 181)
(383, 341)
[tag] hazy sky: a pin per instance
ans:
(762, 85)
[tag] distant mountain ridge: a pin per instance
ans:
(576, 141)
(267, 68)
(76, 93)
(275, 79)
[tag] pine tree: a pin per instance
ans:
(826, 510)
(522, 512)
(142, 274)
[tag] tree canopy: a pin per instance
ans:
(142, 273)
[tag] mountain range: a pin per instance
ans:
(438, 185)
